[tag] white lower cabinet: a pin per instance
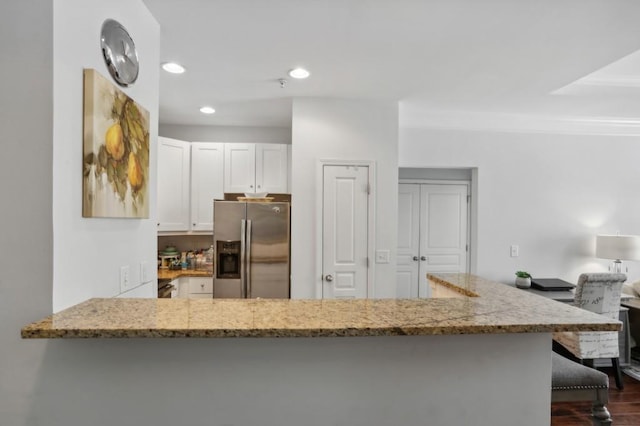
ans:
(195, 288)
(183, 289)
(175, 289)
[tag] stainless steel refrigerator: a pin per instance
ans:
(252, 249)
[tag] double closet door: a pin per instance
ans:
(432, 234)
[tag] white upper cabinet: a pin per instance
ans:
(193, 174)
(272, 168)
(173, 184)
(256, 168)
(207, 175)
(239, 167)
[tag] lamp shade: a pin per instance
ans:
(618, 247)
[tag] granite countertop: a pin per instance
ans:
(171, 274)
(489, 308)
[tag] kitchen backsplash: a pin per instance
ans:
(185, 242)
(192, 252)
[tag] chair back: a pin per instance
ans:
(600, 293)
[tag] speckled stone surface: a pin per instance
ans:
(167, 274)
(494, 308)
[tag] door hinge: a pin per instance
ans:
(368, 189)
(367, 261)
(466, 247)
(468, 198)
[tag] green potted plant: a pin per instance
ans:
(523, 279)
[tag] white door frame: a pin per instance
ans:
(371, 229)
(470, 210)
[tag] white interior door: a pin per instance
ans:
(432, 234)
(408, 252)
(345, 231)
(443, 230)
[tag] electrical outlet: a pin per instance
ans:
(382, 256)
(515, 251)
(125, 279)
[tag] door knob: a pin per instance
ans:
(423, 258)
(329, 278)
(415, 258)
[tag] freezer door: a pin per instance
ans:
(268, 234)
(228, 236)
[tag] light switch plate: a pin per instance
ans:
(125, 279)
(382, 256)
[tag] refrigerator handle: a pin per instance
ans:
(248, 260)
(243, 259)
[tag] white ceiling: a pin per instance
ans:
(438, 56)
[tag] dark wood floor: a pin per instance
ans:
(624, 406)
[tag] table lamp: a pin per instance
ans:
(618, 248)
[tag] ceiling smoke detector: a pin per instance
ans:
(282, 82)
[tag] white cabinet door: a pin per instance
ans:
(239, 167)
(207, 183)
(271, 168)
(289, 162)
(200, 285)
(173, 185)
(182, 284)
(261, 167)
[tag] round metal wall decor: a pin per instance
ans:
(119, 53)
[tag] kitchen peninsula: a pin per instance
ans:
(484, 358)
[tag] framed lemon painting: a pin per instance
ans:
(116, 152)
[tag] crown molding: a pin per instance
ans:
(518, 123)
(609, 81)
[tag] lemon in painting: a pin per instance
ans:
(134, 171)
(114, 141)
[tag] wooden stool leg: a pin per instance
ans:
(616, 367)
(601, 416)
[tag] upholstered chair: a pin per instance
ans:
(571, 381)
(598, 293)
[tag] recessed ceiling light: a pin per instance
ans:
(207, 110)
(173, 68)
(299, 73)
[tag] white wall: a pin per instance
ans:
(342, 129)
(548, 193)
(226, 133)
(88, 252)
(26, 229)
